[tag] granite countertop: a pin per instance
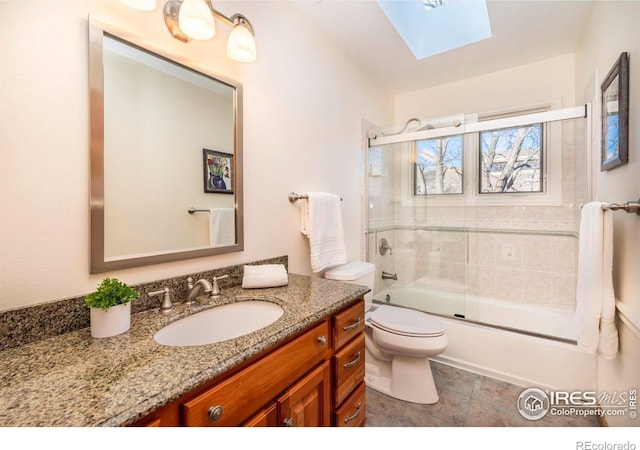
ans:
(75, 380)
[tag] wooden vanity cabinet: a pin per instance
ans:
(348, 366)
(300, 383)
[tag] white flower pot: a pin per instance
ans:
(116, 320)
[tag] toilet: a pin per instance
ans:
(398, 342)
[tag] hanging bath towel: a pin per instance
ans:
(322, 224)
(222, 228)
(595, 300)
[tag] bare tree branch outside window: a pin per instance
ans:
(511, 160)
(438, 166)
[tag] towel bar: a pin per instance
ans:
(630, 206)
(293, 197)
(193, 210)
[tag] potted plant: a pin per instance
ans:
(110, 308)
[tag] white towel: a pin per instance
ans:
(264, 276)
(222, 229)
(322, 224)
(595, 303)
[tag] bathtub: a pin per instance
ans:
(521, 344)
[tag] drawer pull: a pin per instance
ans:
(322, 340)
(215, 413)
(353, 362)
(289, 422)
(354, 415)
(355, 324)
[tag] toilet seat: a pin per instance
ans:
(405, 322)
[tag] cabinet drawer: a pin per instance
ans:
(348, 324)
(353, 412)
(242, 395)
(348, 366)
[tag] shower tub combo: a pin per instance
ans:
(521, 344)
(498, 267)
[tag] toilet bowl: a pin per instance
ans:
(398, 342)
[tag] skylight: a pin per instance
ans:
(429, 27)
(430, 4)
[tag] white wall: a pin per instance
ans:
(613, 28)
(551, 79)
(304, 101)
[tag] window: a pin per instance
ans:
(438, 166)
(511, 160)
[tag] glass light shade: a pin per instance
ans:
(241, 45)
(142, 5)
(196, 20)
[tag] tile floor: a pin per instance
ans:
(466, 400)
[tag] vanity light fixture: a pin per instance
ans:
(194, 19)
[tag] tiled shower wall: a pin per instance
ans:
(522, 268)
(523, 254)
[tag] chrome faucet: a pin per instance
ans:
(194, 288)
(389, 276)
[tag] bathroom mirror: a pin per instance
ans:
(161, 131)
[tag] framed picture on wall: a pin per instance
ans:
(615, 115)
(218, 172)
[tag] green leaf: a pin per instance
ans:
(111, 292)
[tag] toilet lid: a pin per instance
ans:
(406, 322)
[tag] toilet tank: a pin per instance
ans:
(356, 272)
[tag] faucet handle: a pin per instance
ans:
(166, 305)
(215, 290)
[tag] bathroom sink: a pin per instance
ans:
(219, 323)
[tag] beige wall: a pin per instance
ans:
(612, 29)
(303, 107)
(548, 80)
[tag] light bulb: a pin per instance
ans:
(196, 20)
(241, 45)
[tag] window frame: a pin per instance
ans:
(544, 112)
(542, 160)
(462, 167)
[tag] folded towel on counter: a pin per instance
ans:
(265, 276)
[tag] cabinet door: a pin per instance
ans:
(268, 417)
(307, 403)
